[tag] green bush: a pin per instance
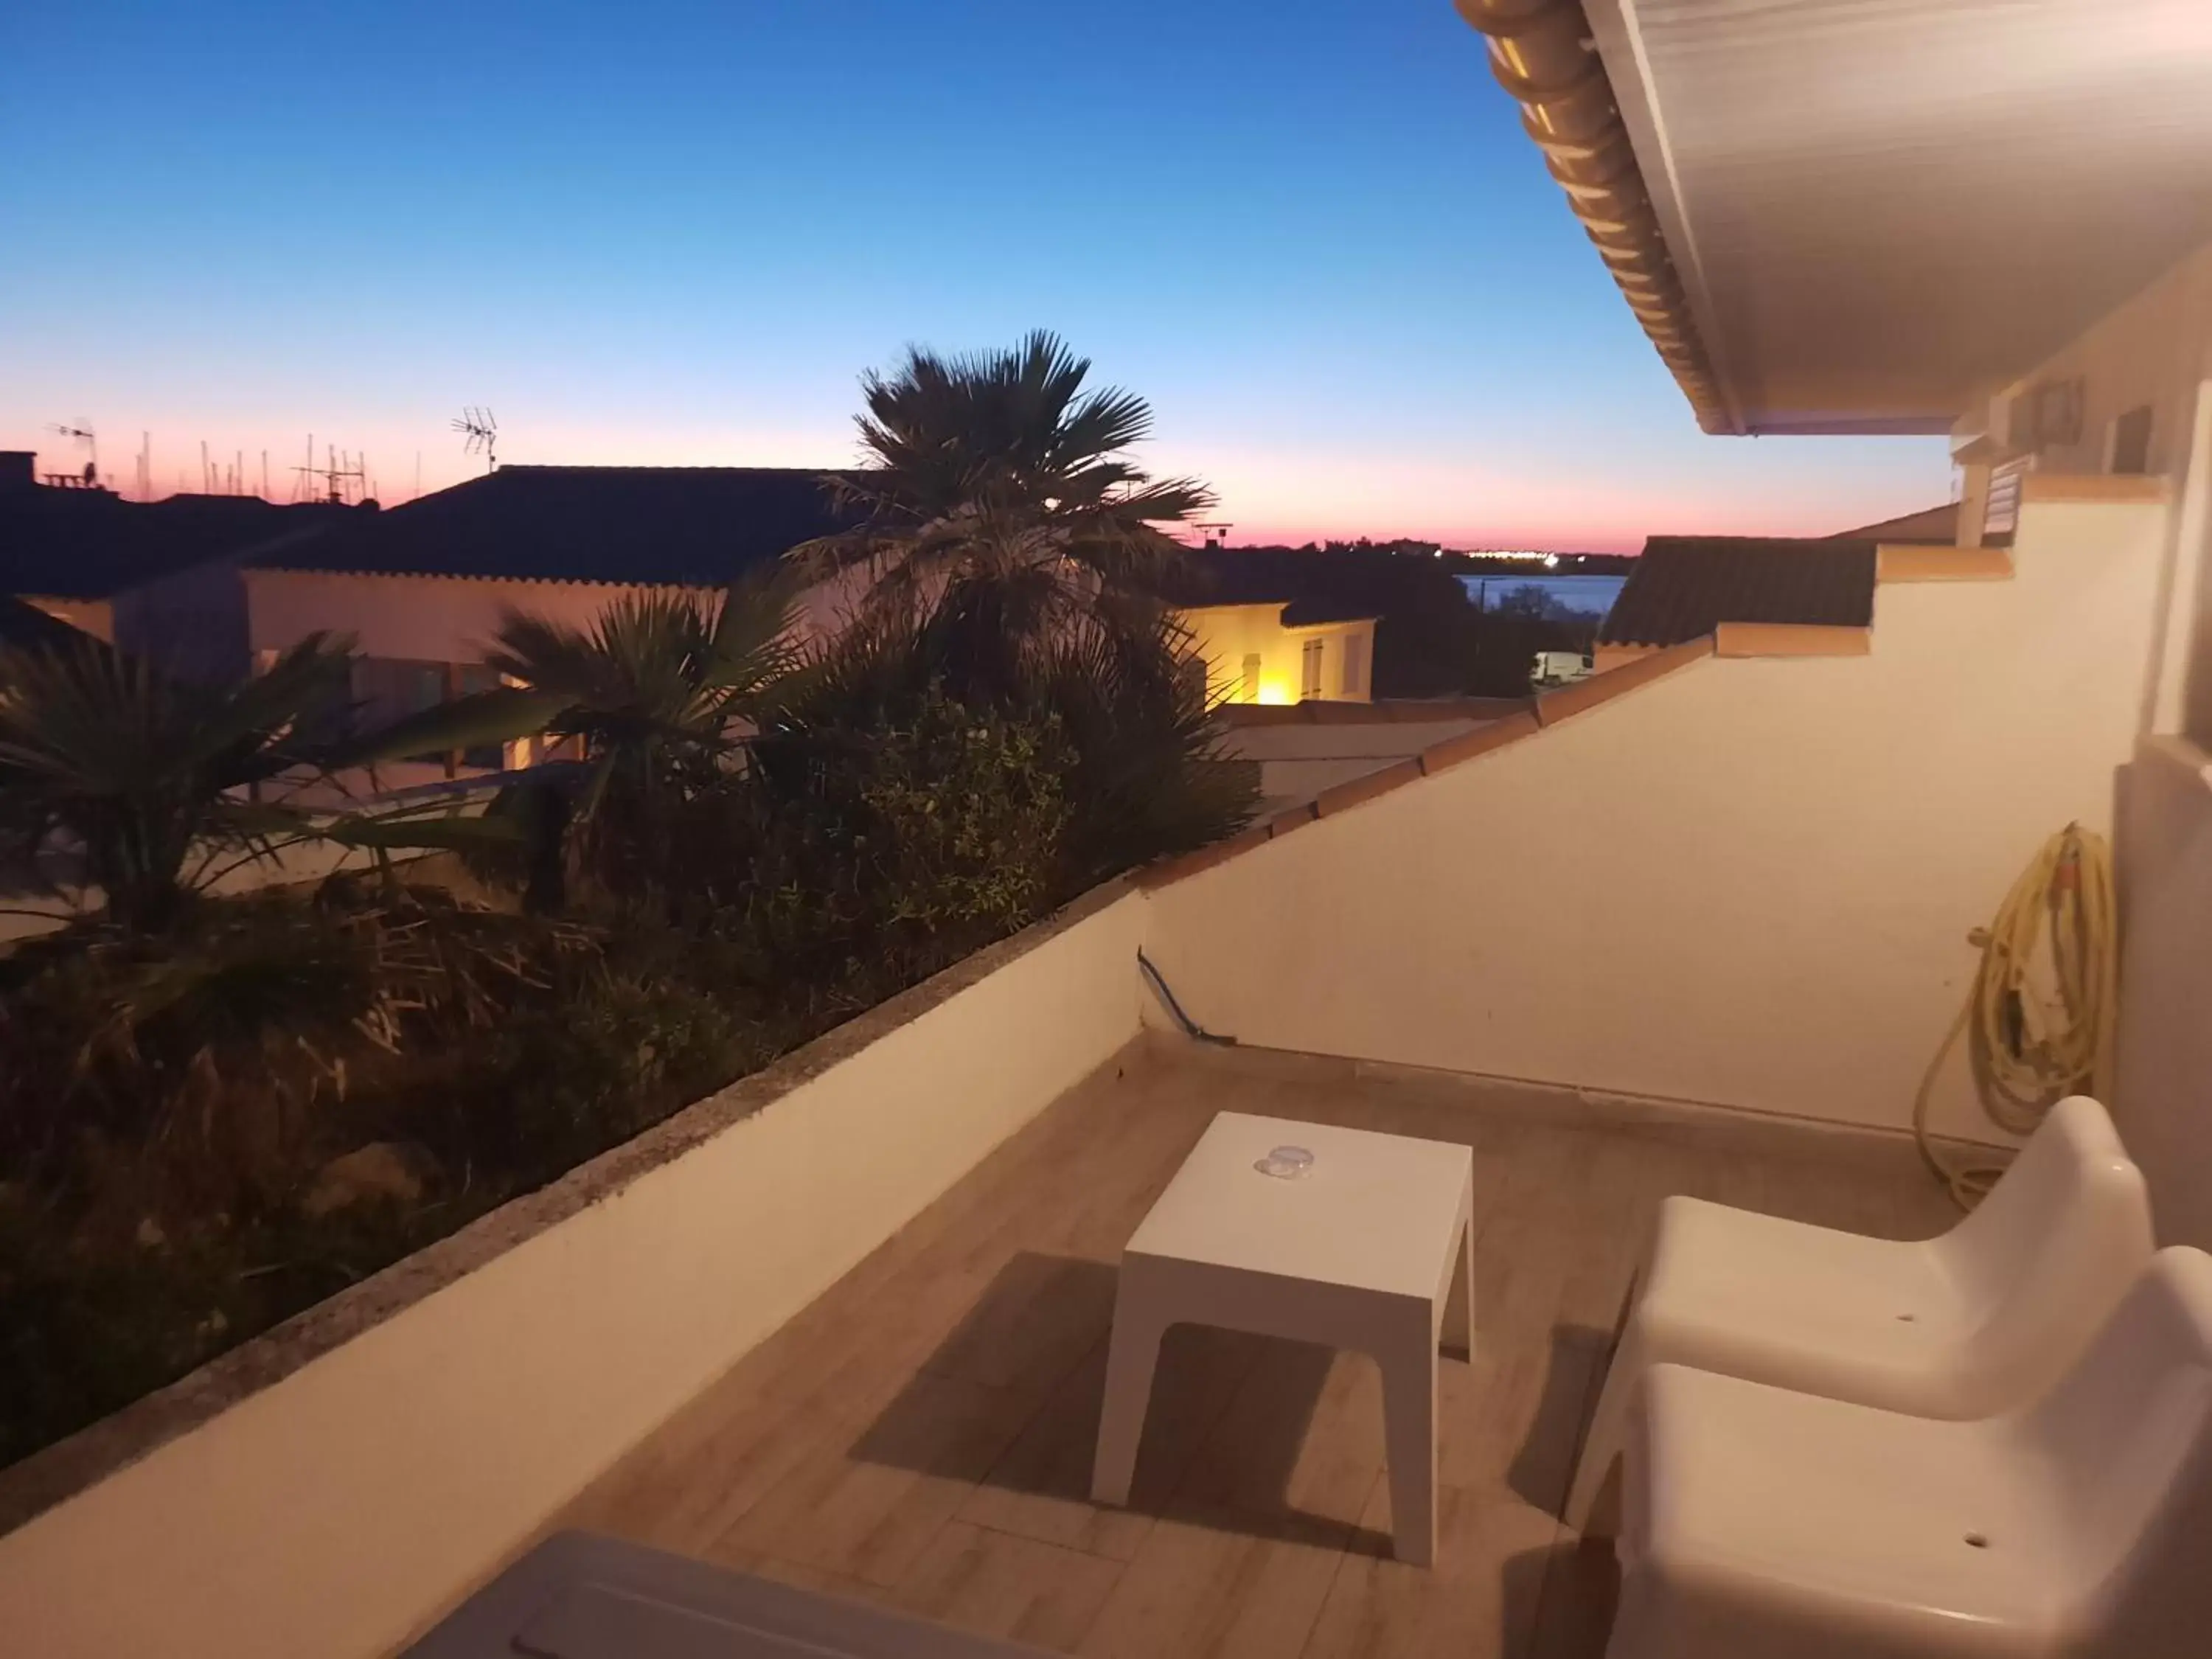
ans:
(169, 1098)
(876, 855)
(167, 1102)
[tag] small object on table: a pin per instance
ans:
(1285, 1163)
(1366, 1241)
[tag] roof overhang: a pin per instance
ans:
(1858, 216)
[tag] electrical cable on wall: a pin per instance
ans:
(2041, 1014)
(1191, 1028)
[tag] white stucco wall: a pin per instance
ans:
(335, 1512)
(2163, 1104)
(1749, 882)
(2155, 349)
(453, 619)
(415, 618)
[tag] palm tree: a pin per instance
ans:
(158, 788)
(655, 693)
(996, 483)
(149, 779)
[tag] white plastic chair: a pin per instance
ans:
(1968, 1325)
(1763, 1524)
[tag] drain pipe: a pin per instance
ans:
(1191, 1028)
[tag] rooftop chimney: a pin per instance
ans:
(16, 469)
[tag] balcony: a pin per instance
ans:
(920, 1436)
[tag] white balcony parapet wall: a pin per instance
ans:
(451, 1404)
(1747, 883)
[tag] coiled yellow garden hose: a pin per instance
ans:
(2041, 1012)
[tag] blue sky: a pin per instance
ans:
(1310, 231)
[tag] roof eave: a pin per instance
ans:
(1543, 53)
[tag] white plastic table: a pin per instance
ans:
(1372, 1248)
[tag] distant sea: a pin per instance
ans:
(1583, 596)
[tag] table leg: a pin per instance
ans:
(1459, 1299)
(1131, 1356)
(1409, 1435)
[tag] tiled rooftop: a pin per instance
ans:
(1684, 587)
(920, 1437)
(696, 526)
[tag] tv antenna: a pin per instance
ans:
(482, 431)
(89, 478)
(339, 469)
(1215, 534)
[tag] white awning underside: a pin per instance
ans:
(1880, 209)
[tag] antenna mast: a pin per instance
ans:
(89, 478)
(482, 431)
(335, 473)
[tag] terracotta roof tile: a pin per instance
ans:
(1555, 706)
(1790, 640)
(1340, 796)
(1942, 564)
(1383, 711)
(1203, 858)
(1480, 741)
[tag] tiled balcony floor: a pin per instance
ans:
(921, 1435)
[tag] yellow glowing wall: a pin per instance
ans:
(1231, 636)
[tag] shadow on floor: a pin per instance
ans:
(1037, 1336)
(1574, 1372)
(1558, 1603)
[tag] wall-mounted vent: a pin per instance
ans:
(2001, 516)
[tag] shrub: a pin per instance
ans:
(879, 854)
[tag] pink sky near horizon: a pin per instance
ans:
(1267, 495)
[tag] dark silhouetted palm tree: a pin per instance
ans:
(996, 485)
(146, 779)
(656, 694)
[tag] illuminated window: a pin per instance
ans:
(1310, 670)
(1250, 692)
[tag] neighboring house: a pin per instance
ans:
(150, 577)
(1284, 652)
(1752, 596)
(1274, 626)
(424, 588)
(1814, 595)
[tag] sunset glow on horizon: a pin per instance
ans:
(1314, 236)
